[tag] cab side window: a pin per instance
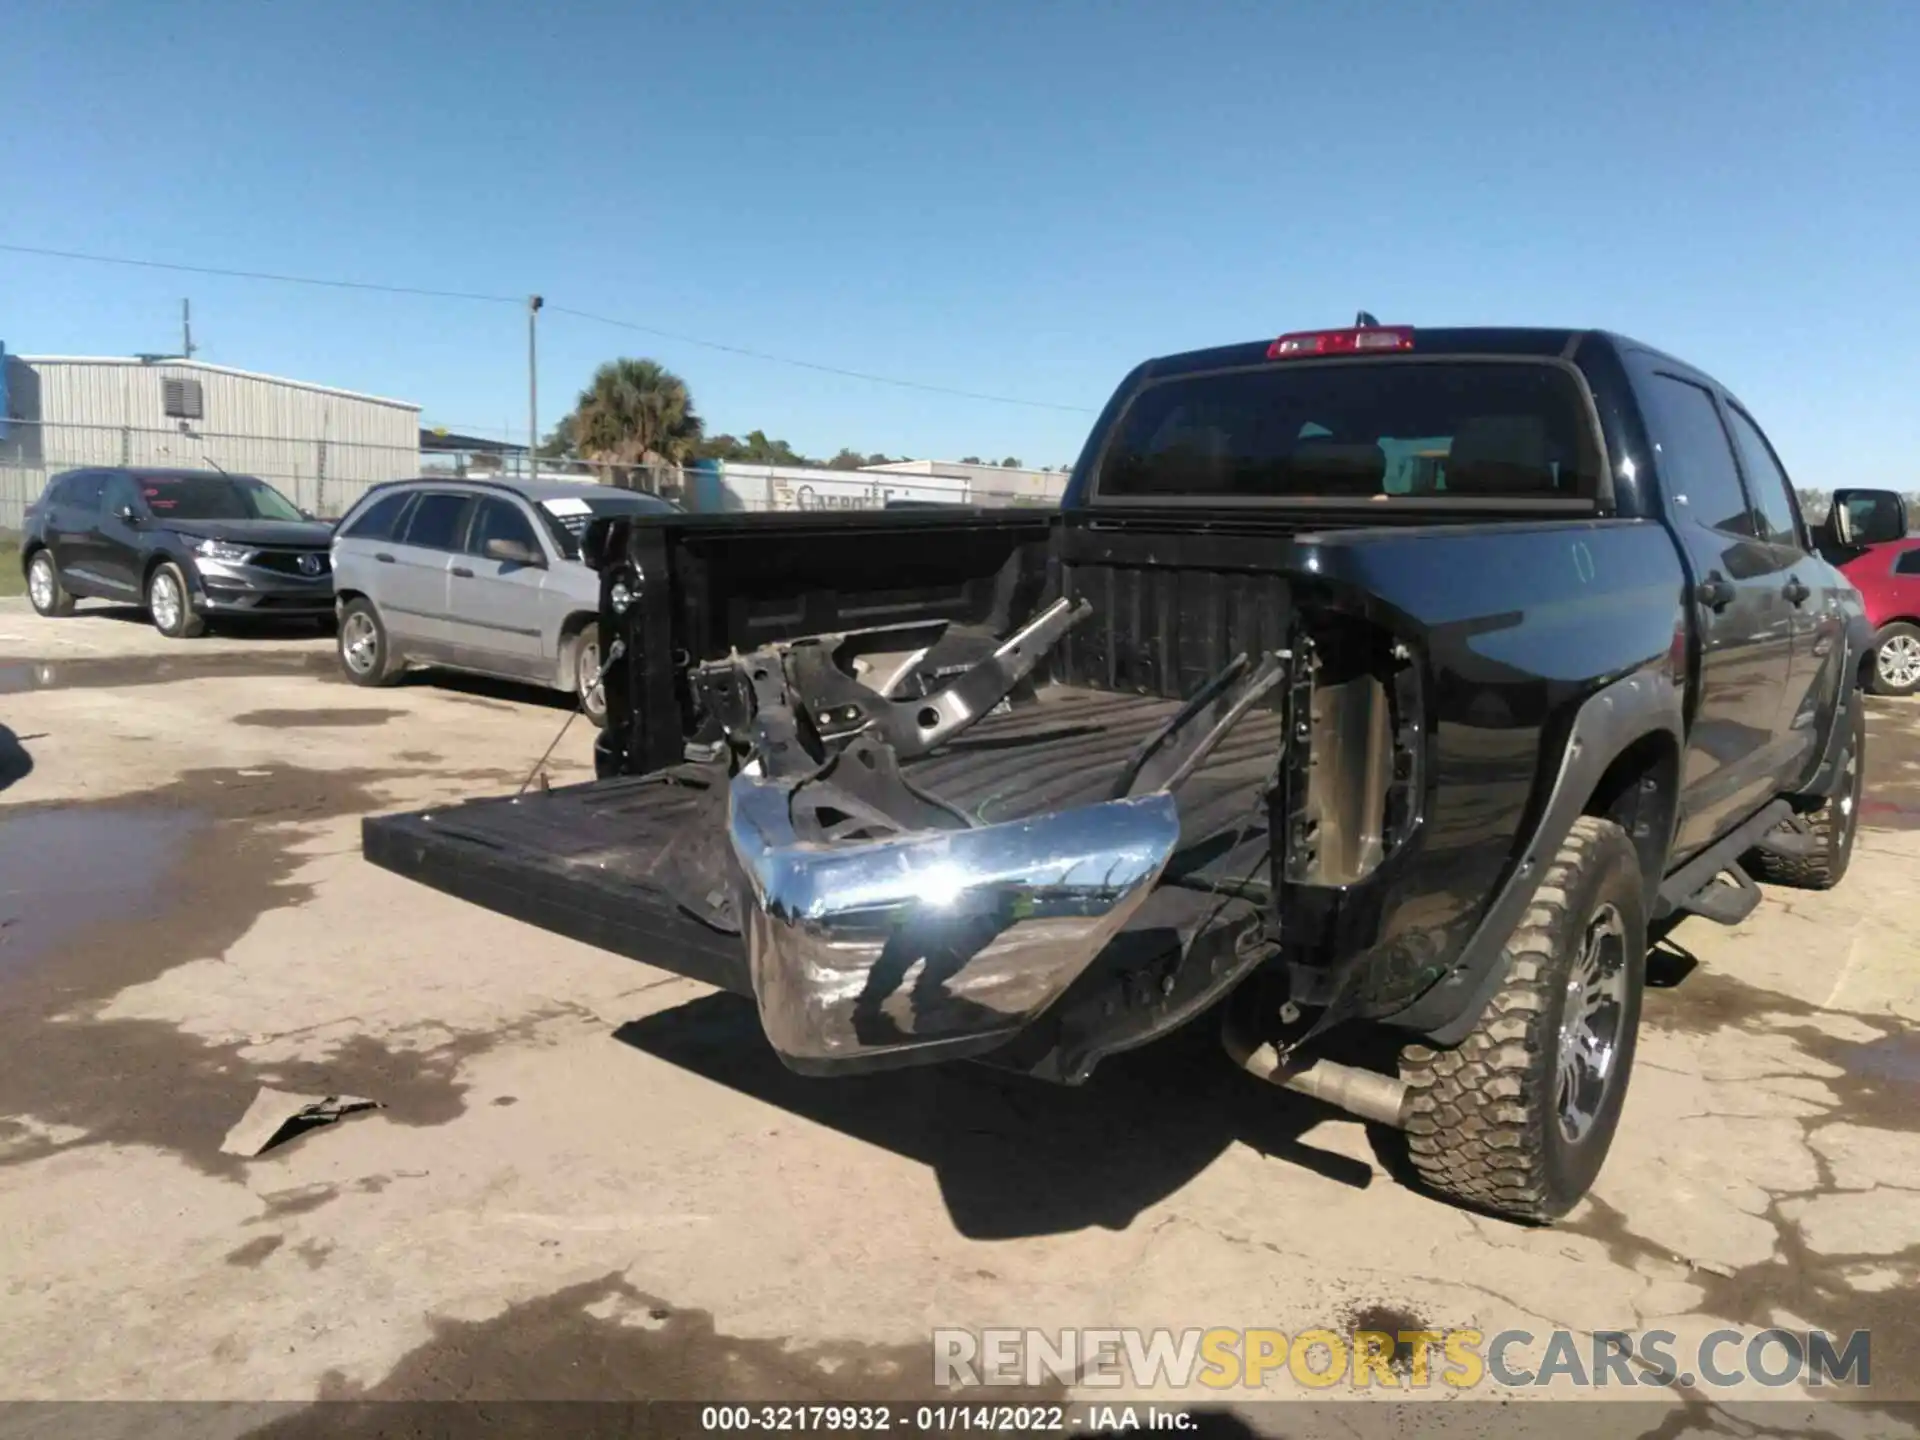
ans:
(377, 521)
(500, 520)
(82, 492)
(436, 522)
(1772, 492)
(1696, 460)
(1907, 562)
(118, 493)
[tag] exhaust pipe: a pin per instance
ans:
(1365, 1093)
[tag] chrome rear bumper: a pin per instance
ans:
(940, 942)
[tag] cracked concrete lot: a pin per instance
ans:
(592, 1179)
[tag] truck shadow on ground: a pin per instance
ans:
(15, 762)
(1014, 1156)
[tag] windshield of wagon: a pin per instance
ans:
(1360, 430)
(214, 497)
(568, 516)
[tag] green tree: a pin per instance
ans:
(846, 460)
(1012, 462)
(878, 459)
(560, 443)
(761, 450)
(971, 460)
(635, 413)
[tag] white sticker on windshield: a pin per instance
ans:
(568, 505)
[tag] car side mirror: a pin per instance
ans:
(512, 552)
(1868, 517)
(126, 513)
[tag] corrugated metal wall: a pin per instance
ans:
(322, 447)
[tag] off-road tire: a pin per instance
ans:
(360, 622)
(59, 599)
(1832, 826)
(1483, 1117)
(186, 623)
(1900, 632)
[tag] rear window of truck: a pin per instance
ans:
(1425, 429)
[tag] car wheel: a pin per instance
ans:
(362, 643)
(1832, 826)
(170, 604)
(1517, 1119)
(44, 589)
(587, 687)
(1896, 659)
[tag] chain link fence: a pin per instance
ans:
(326, 477)
(748, 488)
(323, 477)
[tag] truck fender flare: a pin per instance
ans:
(1855, 656)
(1645, 703)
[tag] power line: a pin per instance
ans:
(263, 275)
(812, 365)
(742, 350)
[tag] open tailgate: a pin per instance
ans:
(628, 864)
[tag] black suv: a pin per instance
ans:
(188, 545)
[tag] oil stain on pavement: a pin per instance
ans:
(316, 719)
(104, 897)
(117, 671)
(605, 1340)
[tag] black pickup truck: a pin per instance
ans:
(1364, 678)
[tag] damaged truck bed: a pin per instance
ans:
(636, 865)
(1369, 677)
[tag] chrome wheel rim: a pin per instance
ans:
(359, 644)
(163, 599)
(40, 582)
(1590, 1025)
(586, 683)
(1899, 660)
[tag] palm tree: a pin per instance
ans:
(636, 413)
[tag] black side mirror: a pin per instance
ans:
(512, 552)
(1868, 517)
(126, 513)
(605, 541)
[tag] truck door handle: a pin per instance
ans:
(1795, 592)
(383, 557)
(463, 572)
(1714, 593)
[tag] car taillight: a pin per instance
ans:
(1365, 340)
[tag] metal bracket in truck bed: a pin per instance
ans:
(839, 706)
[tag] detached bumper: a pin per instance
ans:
(222, 588)
(933, 944)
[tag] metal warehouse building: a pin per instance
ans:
(322, 447)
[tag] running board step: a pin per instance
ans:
(1724, 904)
(1683, 887)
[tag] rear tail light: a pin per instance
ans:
(1365, 340)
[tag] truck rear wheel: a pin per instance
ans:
(1832, 826)
(1517, 1119)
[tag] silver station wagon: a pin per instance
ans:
(482, 576)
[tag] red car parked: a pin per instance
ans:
(1888, 578)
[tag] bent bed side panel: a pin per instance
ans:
(585, 861)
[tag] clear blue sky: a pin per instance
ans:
(1020, 198)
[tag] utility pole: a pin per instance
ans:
(186, 329)
(534, 302)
